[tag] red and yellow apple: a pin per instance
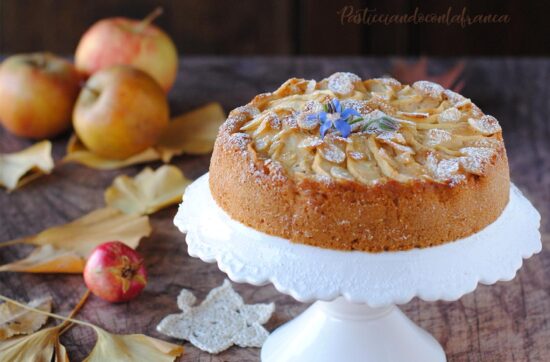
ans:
(115, 272)
(120, 112)
(37, 94)
(138, 43)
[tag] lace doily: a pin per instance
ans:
(219, 322)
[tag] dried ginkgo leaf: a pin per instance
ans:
(48, 259)
(16, 320)
(79, 238)
(19, 168)
(148, 191)
(77, 152)
(40, 346)
(193, 132)
(131, 347)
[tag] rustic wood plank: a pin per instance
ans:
(505, 322)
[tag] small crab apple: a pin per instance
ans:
(115, 272)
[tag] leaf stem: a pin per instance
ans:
(66, 325)
(49, 314)
(13, 242)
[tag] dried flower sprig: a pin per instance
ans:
(381, 124)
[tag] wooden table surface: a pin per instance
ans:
(509, 321)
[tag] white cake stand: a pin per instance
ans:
(354, 317)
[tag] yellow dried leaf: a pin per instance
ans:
(37, 347)
(77, 152)
(19, 168)
(48, 259)
(16, 320)
(193, 132)
(148, 191)
(132, 347)
(79, 238)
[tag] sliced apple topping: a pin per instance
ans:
(373, 131)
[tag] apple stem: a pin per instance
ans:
(149, 19)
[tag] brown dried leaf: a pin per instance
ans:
(193, 132)
(19, 168)
(77, 152)
(16, 320)
(132, 347)
(60, 246)
(147, 192)
(41, 346)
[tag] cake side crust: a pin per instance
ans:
(350, 215)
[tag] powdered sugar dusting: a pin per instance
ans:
(453, 97)
(331, 152)
(440, 135)
(431, 89)
(442, 170)
(486, 125)
(476, 158)
(450, 115)
(342, 83)
(437, 136)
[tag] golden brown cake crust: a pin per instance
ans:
(346, 214)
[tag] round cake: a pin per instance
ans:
(353, 164)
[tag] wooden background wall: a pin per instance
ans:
(282, 27)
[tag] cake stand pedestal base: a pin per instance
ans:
(344, 331)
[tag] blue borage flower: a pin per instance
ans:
(335, 117)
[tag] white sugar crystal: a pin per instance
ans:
(342, 83)
(476, 158)
(389, 81)
(437, 136)
(310, 142)
(313, 107)
(431, 89)
(306, 122)
(486, 142)
(331, 152)
(239, 139)
(247, 110)
(442, 170)
(464, 105)
(391, 136)
(290, 122)
(357, 105)
(311, 86)
(354, 155)
(453, 96)
(450, 115)
(486, 125)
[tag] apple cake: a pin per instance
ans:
(351, 164)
